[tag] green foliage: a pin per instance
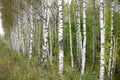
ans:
(117, 33)
(8, 14)
(14, 66)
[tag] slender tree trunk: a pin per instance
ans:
(18, 33)
(12, 35)
(17, 39)
(102, 37)
(60, 39)
(45, 32)
(76, 40)
(84, 38)
(113, 59)
(31, 32)
(78, 34)
(70, 32)
(45, 41)
(111, 44)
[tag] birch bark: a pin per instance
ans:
(45, 32)
(78, 34)
(60, 38)
(31, 32)
(111, 43)
(84, 38)
(102, 37)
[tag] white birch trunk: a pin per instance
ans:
(84, 38)
(12, 35)
(23, 42)
(45, 32)
(60, 38)
(111, 44)
(19, 33)
(77, 48)
(78, 34)
(102, 37)
(70, 32)
(31, 32)
(22, 32)
(113, 59)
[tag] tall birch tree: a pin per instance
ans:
(78, 33)
(111, 43)
(60, 38)
(45, 31)
(84, 38)
(102, 38)
(31, 31)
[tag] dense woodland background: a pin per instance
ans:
(55, 40)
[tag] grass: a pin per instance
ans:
(14, 66)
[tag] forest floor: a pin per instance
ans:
(14, 66)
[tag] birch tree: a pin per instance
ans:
(60, 38)
(78, 33)
(31, 31)
(114, 56)
(111, 43)
(84, 38)
(102, 38)
(45, 31)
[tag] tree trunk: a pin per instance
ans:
(78, 34)
(31, 32)
(111, 44)
(60, 39)
(102, 37)
(39, 31)
(45, 53)
(70, 32)
(84, 38)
